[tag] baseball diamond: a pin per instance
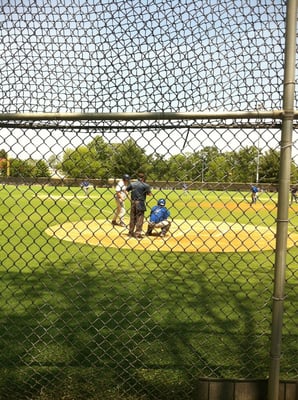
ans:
(185, 236)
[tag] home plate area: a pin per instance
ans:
(184, 236)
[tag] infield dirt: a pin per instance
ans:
(184, 236)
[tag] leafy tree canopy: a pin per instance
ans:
(101, 160)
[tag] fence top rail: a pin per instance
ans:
(125, 116)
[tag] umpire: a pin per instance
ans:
(139, 190)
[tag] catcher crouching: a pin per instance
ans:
(159, 219)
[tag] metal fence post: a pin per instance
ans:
(283, 200)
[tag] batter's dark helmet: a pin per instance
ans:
(161, 202)
(126, 177)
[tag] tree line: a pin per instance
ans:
(29, 168)
(102, 160)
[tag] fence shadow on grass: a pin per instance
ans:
(91, 331)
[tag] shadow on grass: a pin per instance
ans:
(79, 330)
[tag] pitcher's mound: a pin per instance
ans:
(184, 236)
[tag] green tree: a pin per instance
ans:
(41, 169)
(29, 168)
(102, 153)
(3, 153)
(103, 160)
(82, 162)
(158, 167)
(3, 162)
(219, 169)
(128, 158)
(269, 166)
(244, 164)
(20, 168)
(200, 161)
(180, 168)
(294, 172)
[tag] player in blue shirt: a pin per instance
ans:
(85, 186)
(254, 194)
(159, 218)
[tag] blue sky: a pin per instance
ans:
(141, 55)
(132, 56)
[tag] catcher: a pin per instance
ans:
(159, 219)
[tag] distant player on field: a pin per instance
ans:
(85, 186)
(254, 194)
(159, 218)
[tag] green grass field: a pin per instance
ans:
(89, 322)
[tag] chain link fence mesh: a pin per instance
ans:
(86, 310)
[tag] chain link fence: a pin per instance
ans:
(191, 94)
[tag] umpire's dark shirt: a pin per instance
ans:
(138, 190)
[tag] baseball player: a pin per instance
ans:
(159, 218)
(85, 186)
(120, 196)
(254, 194)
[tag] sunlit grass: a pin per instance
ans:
(129, 318)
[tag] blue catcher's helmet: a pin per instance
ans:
(161, 202)
(126, 177)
